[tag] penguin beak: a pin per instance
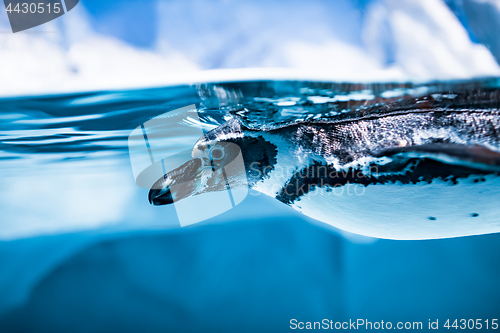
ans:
(160, 197)
(177, 184)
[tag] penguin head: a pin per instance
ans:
(227, 157)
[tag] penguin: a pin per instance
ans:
(406, 174)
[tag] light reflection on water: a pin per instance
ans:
(64, 158)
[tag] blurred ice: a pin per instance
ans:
(120, 44)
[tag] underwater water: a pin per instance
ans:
(66, 165)
(75, 225)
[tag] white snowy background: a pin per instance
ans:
(131, 44)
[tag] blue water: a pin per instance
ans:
(83, 250)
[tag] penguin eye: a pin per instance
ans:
(216, 153)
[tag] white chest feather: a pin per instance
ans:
(402, 211)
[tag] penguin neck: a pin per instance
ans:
(283, 169)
